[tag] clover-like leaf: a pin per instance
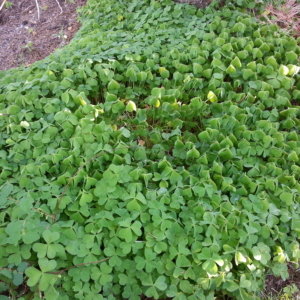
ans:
(49, 236)
(5, 192)
(113, 85)
(131, 106)
(160, 283)
(47, 265)
(34, 276)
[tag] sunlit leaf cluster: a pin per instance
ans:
(157, 154)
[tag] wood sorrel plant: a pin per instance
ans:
(175, 131)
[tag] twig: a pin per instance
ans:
(35, 209)
(93, 262)
(4, 114)
(152, 235)
(105, 151)
(38, 8)
(2, 4)
(242, 99)
(61, 10)
(9, 269)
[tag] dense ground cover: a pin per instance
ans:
(156, 154)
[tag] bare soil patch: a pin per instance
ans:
(274, 285)
(25, 38)
(286, 15)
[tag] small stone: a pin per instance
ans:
(70, 28)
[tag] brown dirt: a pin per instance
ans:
(26, 39)
(274, 285)
(286, 16)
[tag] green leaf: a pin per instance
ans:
(231, 286)
(5, 192)
(85, 198)
(287, 198)
(177, 76)
(207, 73)
(280, 269)
(13, 109)
(239, 27)
(22, 266)
(160, 283)
(49, 236)
(126, 234)
(47, 265)
(53, 294)
(125, 132)
(160, 247)
(244, 283)
(271, 61)
(41, 249)
(193, 153)
(136, 228)
(118, 107)
(182, 261)
(46, 280)
(204, 282)
(140, 154)
(113, 85)
(210, 267)
(227, 47)
(111, 98)
(158, 92)
(231, 69)
(34, 276)
(133, 205)
(18, 279)
(293, 156)
(236, 62)
(151, 292)
(274, 83)
(291, 56)
(225, 154)
(247, 73)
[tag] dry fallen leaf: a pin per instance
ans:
(141, 142)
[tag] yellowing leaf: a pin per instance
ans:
(131, 106)
(212, 97)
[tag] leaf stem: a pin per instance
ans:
(2, 5)
(152, 235)
(82, 264)
(35, 209)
